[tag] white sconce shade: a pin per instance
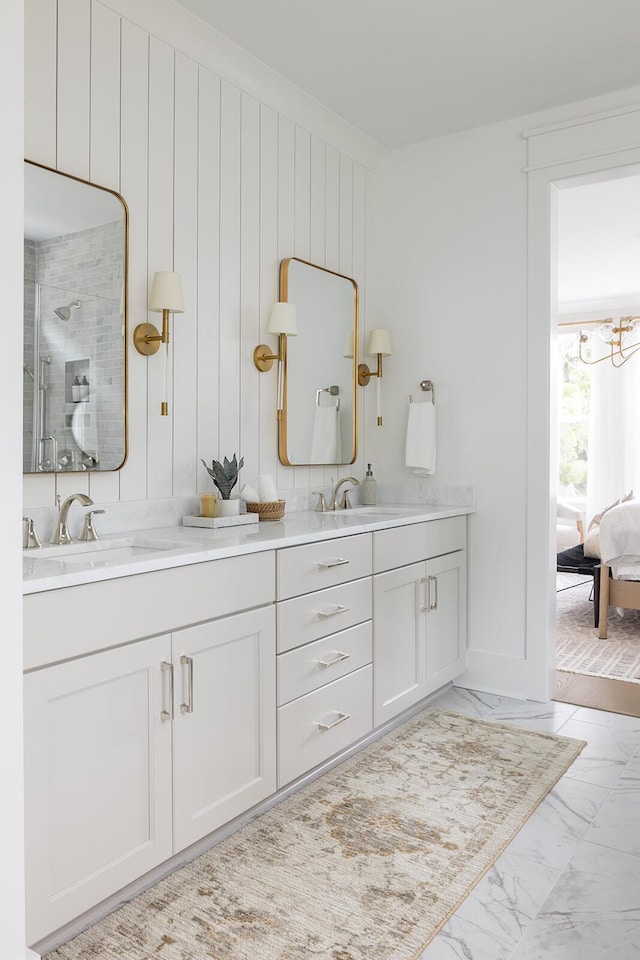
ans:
(379, 343)
(283, 319)
(166, 292)
(347, 350)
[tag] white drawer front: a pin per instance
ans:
(307, 668)
(314, 566)
(321, 724)
(400, 546)
(318, 614)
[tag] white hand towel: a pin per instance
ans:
(324, 440)
(267, 488)
(420, 451)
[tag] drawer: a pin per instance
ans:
(318, 614)
(305, 669)
(321, 724)
(326, 563)
(400, 546)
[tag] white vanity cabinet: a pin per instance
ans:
(135, 752)
(419, 612)
(324, 651)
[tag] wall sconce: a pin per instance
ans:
(379, 345)
(165, 298)
(620, 336)
(283, 323)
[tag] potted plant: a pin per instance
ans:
(225, 477)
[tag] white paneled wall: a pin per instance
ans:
(221, 187)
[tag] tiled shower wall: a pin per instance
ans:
(220, 186)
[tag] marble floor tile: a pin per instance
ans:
(617, 824)
(546, 717)
(468, 702)
(494, 916)
(604, 719)
(592, 913)
(606, 754)
(554, 831)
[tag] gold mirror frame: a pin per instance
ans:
(285, 286)
(45, 443)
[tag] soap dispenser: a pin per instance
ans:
(368, 488)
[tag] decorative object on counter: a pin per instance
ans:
(267, 510)
(266, 488)
(368, 488)
(249, 494)
(420, 447)
(228, 508)
(372, 865)
(215, 522)
(166, 297)
(379, 346)
(208, 504)
(225, 474)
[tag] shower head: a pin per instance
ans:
(64, 312)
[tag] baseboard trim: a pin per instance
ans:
(105, 907)
(494, 673)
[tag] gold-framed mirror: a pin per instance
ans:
(75, 322)
(319, 412)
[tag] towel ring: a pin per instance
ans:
(428, 387)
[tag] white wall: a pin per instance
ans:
(221, 184)
(452, 249)
(11, 804)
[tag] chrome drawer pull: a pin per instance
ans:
(188, 706)
(168, 668)
(338, 658)
(331, 611)
(333, 562)
(340, 719)
(433, 605)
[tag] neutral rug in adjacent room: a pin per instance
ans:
(366, 863)
(578, 647)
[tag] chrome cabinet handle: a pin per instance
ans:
(433, 604)
(426, 609)
(339, 719)
(168, 668)
(188, 706)
(331, 611)
(337, 658)
(333, 562)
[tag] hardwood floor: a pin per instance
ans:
(600, 693)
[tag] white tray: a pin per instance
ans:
(220, 521)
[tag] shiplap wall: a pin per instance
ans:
(220, 187)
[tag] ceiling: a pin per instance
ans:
(403, 71)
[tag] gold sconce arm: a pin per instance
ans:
(263, 358)
(147, 338)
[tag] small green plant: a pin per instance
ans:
(225, 474)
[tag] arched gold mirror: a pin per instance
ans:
(318, 423)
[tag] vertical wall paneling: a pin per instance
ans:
(40, 25)
(133, 160)
(250, 286)
(74, 84)
(346, 216)
(302, 228)
(208, 353)
(317, 239)
(359, 269)
(366, 397)
(185, 325)
(230, 123)
(286, 229)
(104, 153)
(160, 255)
(332, 234)
(268, 283)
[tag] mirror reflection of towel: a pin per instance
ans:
(326, 445)
(420, 452)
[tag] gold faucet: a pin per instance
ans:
(333, 503)
(61, 533)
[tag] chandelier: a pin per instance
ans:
(614, 340)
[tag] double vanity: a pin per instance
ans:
(177, 678)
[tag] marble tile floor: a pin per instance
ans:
(568, 885)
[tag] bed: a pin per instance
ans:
(620, 565)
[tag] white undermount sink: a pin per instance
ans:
(103, 553)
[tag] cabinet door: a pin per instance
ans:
(398, 641)
(97, 779)
(225, 721)
(446, 618)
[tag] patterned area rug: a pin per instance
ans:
(578, 648)
(366, 863)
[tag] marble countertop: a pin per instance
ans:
(143, 551)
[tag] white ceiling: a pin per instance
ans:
(403, 71)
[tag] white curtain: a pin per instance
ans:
(613, 466)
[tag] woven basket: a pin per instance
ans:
(269, 510)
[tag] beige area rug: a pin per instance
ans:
(578, 648)
(366, 863)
